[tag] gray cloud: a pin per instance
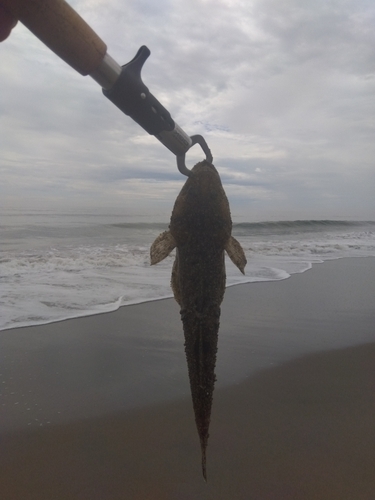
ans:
(282, 91)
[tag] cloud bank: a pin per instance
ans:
(283, 92)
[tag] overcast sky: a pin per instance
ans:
(282, 90)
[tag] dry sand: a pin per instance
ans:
(299, 428)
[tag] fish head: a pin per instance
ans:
(200, 223)
(202, 209)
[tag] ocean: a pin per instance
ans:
(55, 266)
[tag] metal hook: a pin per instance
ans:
(196, 139)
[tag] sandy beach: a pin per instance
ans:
(99, 408)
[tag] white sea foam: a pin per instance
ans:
(63, 269)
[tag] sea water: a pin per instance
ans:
(55, 266)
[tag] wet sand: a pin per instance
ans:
(110, 417)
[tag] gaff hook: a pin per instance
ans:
(195, 139)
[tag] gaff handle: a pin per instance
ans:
(131, 95)
(64, 31)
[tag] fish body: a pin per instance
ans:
(200, 230)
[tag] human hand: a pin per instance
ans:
(7, 23)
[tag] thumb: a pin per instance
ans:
(7, 23)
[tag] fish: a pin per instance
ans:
(200, 230)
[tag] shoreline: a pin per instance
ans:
(134, 357)
(92, 399)
(136, 302)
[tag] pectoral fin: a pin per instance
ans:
(236, 254)
(162, 247)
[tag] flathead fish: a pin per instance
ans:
(200, 230)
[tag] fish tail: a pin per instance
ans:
(204, 468)
(201, 336)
